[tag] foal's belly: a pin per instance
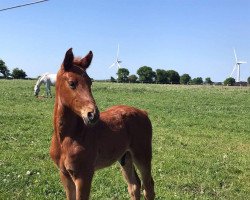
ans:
(110, 148)
(112, 141)
(106, 157)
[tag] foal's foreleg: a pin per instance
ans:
(69, 186)
(129, 173)
(82, 183)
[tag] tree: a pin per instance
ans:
(197, 81)
(185, 79)
(146, 74)
(229, 81)
(173, 76)
(4, 69)
(162, 76)
(18, 73)
(132, 78)
(122, 75)
(248, 80)
(208, 81)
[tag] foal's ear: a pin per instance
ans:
(68, 59)
(85, 62)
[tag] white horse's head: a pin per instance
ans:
(36, 90)
(38, 84)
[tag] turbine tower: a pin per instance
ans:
(237, 67)
(117, 61)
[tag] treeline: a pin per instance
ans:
(145, 74)
(16, 72)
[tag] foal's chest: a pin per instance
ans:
(76, 155)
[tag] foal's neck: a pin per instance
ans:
(68, 124)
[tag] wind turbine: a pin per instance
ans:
(237, 67)
(117, 61)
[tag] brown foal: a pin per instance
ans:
(85, 140)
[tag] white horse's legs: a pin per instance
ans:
(48, 91)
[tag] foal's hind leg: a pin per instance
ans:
(129, 173)
(147, 183)
(143, 163)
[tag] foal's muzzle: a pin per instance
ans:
(92, 117)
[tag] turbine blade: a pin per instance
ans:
(112, 65)
(235, 55)
(117, 52)
(233, 70)
(119, 66)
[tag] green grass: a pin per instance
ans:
(201, 141)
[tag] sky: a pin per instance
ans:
(188, 36)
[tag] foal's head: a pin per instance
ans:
(73, 88)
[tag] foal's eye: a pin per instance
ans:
(72, 84)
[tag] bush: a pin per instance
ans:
(208, 81)
(229, 81)
(185, 79)
(122, 75)
(18, 73)
(132, 78)
(173, 77)
(197, 81)
(146, 74)
(162, 76)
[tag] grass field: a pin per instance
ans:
(201, 141)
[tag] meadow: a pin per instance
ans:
(201, 141)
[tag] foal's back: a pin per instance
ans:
(121, 129)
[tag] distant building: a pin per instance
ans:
(241, 83)
(218, 83)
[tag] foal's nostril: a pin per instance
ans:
(91, 116)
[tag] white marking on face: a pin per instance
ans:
(84, 112)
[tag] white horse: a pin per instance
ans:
(48, 80)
